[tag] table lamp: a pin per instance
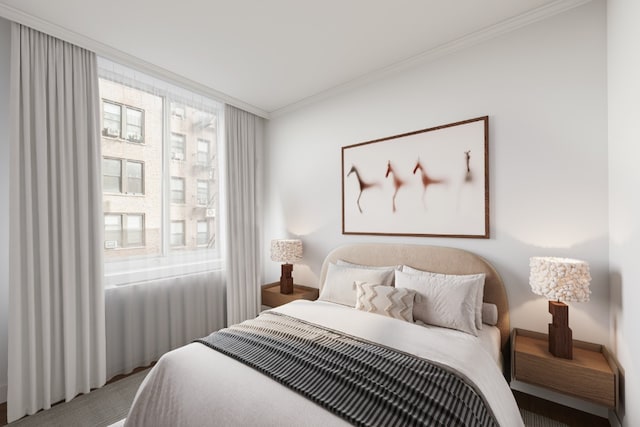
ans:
(559, 280)
(287, 251)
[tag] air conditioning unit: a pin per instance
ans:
(134, 137)
(111, 132)
(110, 244)
(177, 156)
(211, 213)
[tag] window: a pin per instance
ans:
(134, 125)
(113, 126)
(112, 175)
(177, 190)
(203, 151)
(202, 193)
(135, 182)
(202, 233)
(177, 233)
(113, 182)
(111, 119)
(157, 197)
(135, 230)
(177, 146)
(116, 236)
(112, 231)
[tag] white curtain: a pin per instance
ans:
(243, 172)
(147, 319)
(166, 298)
(56, 310)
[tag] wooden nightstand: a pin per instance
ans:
(590, 375)
(272, 297)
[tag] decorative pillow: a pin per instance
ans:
(447, 302)
(385, 300)
(475, 280)
(339, 285)
(489, 314)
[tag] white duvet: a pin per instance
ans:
(197, 386)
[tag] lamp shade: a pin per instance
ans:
(561, 279)
(286, 250)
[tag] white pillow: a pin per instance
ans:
(339, 285)
(447, 302)
(489, 314)
(475, 280)
(385, 300)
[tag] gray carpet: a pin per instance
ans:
(109, 404)
(100, 408)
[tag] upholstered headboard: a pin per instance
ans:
(437, 259)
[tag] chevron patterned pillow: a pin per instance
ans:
(385, 300)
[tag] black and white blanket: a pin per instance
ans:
(362, 382)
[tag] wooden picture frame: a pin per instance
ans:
(432, 182)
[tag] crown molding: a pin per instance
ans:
(493, 31)
(123, 58)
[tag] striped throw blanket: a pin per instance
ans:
(364, 383)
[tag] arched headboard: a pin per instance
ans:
(437, 259)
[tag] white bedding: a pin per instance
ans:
(197, 386)
(488, 338)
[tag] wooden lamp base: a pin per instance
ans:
(286, 280)
(560, 335)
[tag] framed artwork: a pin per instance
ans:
(431, 182)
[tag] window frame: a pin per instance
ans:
(123, 241)
(123, 125)
(162, 265)
(124, 177)
(183, 200)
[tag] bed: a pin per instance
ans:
(196, 385)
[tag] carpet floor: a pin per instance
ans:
(109, 404)
(100, 408)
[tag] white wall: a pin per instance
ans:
(5, 51)
(624, 199)
(544, 89)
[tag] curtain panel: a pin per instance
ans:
(56, 298)
(244, 133)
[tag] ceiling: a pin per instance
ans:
(270, 55)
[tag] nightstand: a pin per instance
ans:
(272, 297)
(590, 375)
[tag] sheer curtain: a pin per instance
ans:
(164, 285)
(244, 172)
(56, 309)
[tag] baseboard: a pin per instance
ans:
(3, 393)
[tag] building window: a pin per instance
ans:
(203, 152)
(135, 230)
(177, 146)
(177, 233)
(112, 175)
(131, 235)
(111, 119)
(177, 190)
(113, 125)
(135, 178)
(112, 231)
(202, 233)
(202, 193)
(134, 125)
(112, 180)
